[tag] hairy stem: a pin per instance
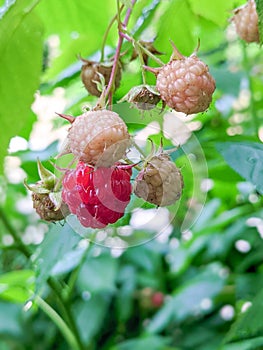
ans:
(128, 37)
(118, 50)
(59, 322)
(107, 33)
(18, 242)
(138, 49)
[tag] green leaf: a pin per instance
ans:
(150, 342)
(127, 3)
(17, 286)
(10, 319)
(250, 344)
(216, 11)
(32, 156)
(21, 49)
(246, 158)
(259, 6)
(227, 81)
(179, 30)
(248, 324)
(68, 262)
(79, 29)
(5, 5)
(90, 315)
(187, 298)
(125, 296)
(58, 241)
(103, 280)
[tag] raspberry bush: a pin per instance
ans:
(131, 187)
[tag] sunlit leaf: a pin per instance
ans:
(246, 158)
(58, 241)
(21, 42)
(90, 315)
(248, 324)
(17, 286)
(186, 299)
(103, 279)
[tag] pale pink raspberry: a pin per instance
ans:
(246, 22)
(186, 85)
(98, 138)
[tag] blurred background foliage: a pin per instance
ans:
(197, 286)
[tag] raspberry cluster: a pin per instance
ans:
(99, 189)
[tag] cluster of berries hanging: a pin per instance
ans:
(99, 188)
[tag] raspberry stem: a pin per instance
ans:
(19, 243)
(138, 49)
(58, 321)
(118, 49)
(129, 38)
(107, 33)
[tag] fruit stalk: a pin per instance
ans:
(142, 48)
(107, 33)
(118, 50)
(58, 321)
(19, 243)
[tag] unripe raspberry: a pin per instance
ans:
(98, 138)
(97, 196)
(150, 299)
(46, 199)
(160, 182)
(185, 84)
(144, 97)
(46, 208)
(246, 22)
(90, 75)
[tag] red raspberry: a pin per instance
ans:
(157, 299)
(246, 22)
(97, 196)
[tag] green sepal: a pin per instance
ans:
(56, 198)
(36, 188)
(47, 177)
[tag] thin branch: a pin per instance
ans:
(19, 243)
(117, 53)
(59, 322)
(107, 33)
